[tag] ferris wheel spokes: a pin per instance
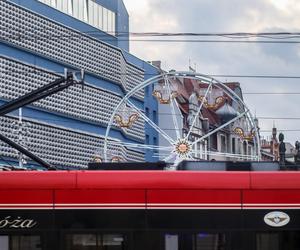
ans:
(199, 111)
(173, 112)
(140, 146)
(151, 123)
(220, 127)
(180, 146)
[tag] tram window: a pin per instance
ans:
(4, 242)
(204, 241)
(171, 242)
(287, 240)
(267, 241)
(94, 242)
(82, 242)
(199, 241)
(30, 242)
(112, 242)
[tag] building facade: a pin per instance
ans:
(39, 39)
(270, 148)
(233, 142)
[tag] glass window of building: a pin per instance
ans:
(105, 17)
(87, 11)
(113, 23)
(96, 15)
(60, 4)
(69, 7)
(109, 22)
(100, 17)
(76, 8)
(91, 12)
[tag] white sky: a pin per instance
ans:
(230, 59)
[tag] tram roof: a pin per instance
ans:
(149, 180)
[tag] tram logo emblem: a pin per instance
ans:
(277, 219)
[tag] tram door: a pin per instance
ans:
(20, 242)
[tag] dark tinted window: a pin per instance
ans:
(95, 242)
(278, 241)
(200, 241)
(30, 242)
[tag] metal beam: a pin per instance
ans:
(47, 90)
(27, 153)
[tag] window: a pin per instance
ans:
(105, 17)
(208, 241)
(113, 23)
(30, 242)
(87, 11)
(171, 242)
(91, 12)
(198, 241)
(244, 148)
(60, 5)
(76, 8)
(95, 241)
(4, 242)
(249, 150)
(100, 17)
(267, 241)
(233, 145)
(154, 116)
(223, 144)
(96, 15)
(109, 22)
(213, 141)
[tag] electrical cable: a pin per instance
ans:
(38, 71)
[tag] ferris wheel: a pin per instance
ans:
(189, 109)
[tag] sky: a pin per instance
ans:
(230, 16)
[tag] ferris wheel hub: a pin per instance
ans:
(182, 148)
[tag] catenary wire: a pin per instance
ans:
(42, 71)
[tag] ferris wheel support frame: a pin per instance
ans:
(196, 76)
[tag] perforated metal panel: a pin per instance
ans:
(91, 104)
(59, 146)
(21, 27)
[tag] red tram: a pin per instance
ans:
(143, 210)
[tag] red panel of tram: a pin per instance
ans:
(37, 180)
(194, 198)
(22, 199)
(162, 180)
(271, 198)
(275, 180)
(99, 199)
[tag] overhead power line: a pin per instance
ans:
(277, 118)
(32, 38)
(281, 130)
(271, 93)
(231, 35)
(41, 71)
(274, 37)
(210, 41)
